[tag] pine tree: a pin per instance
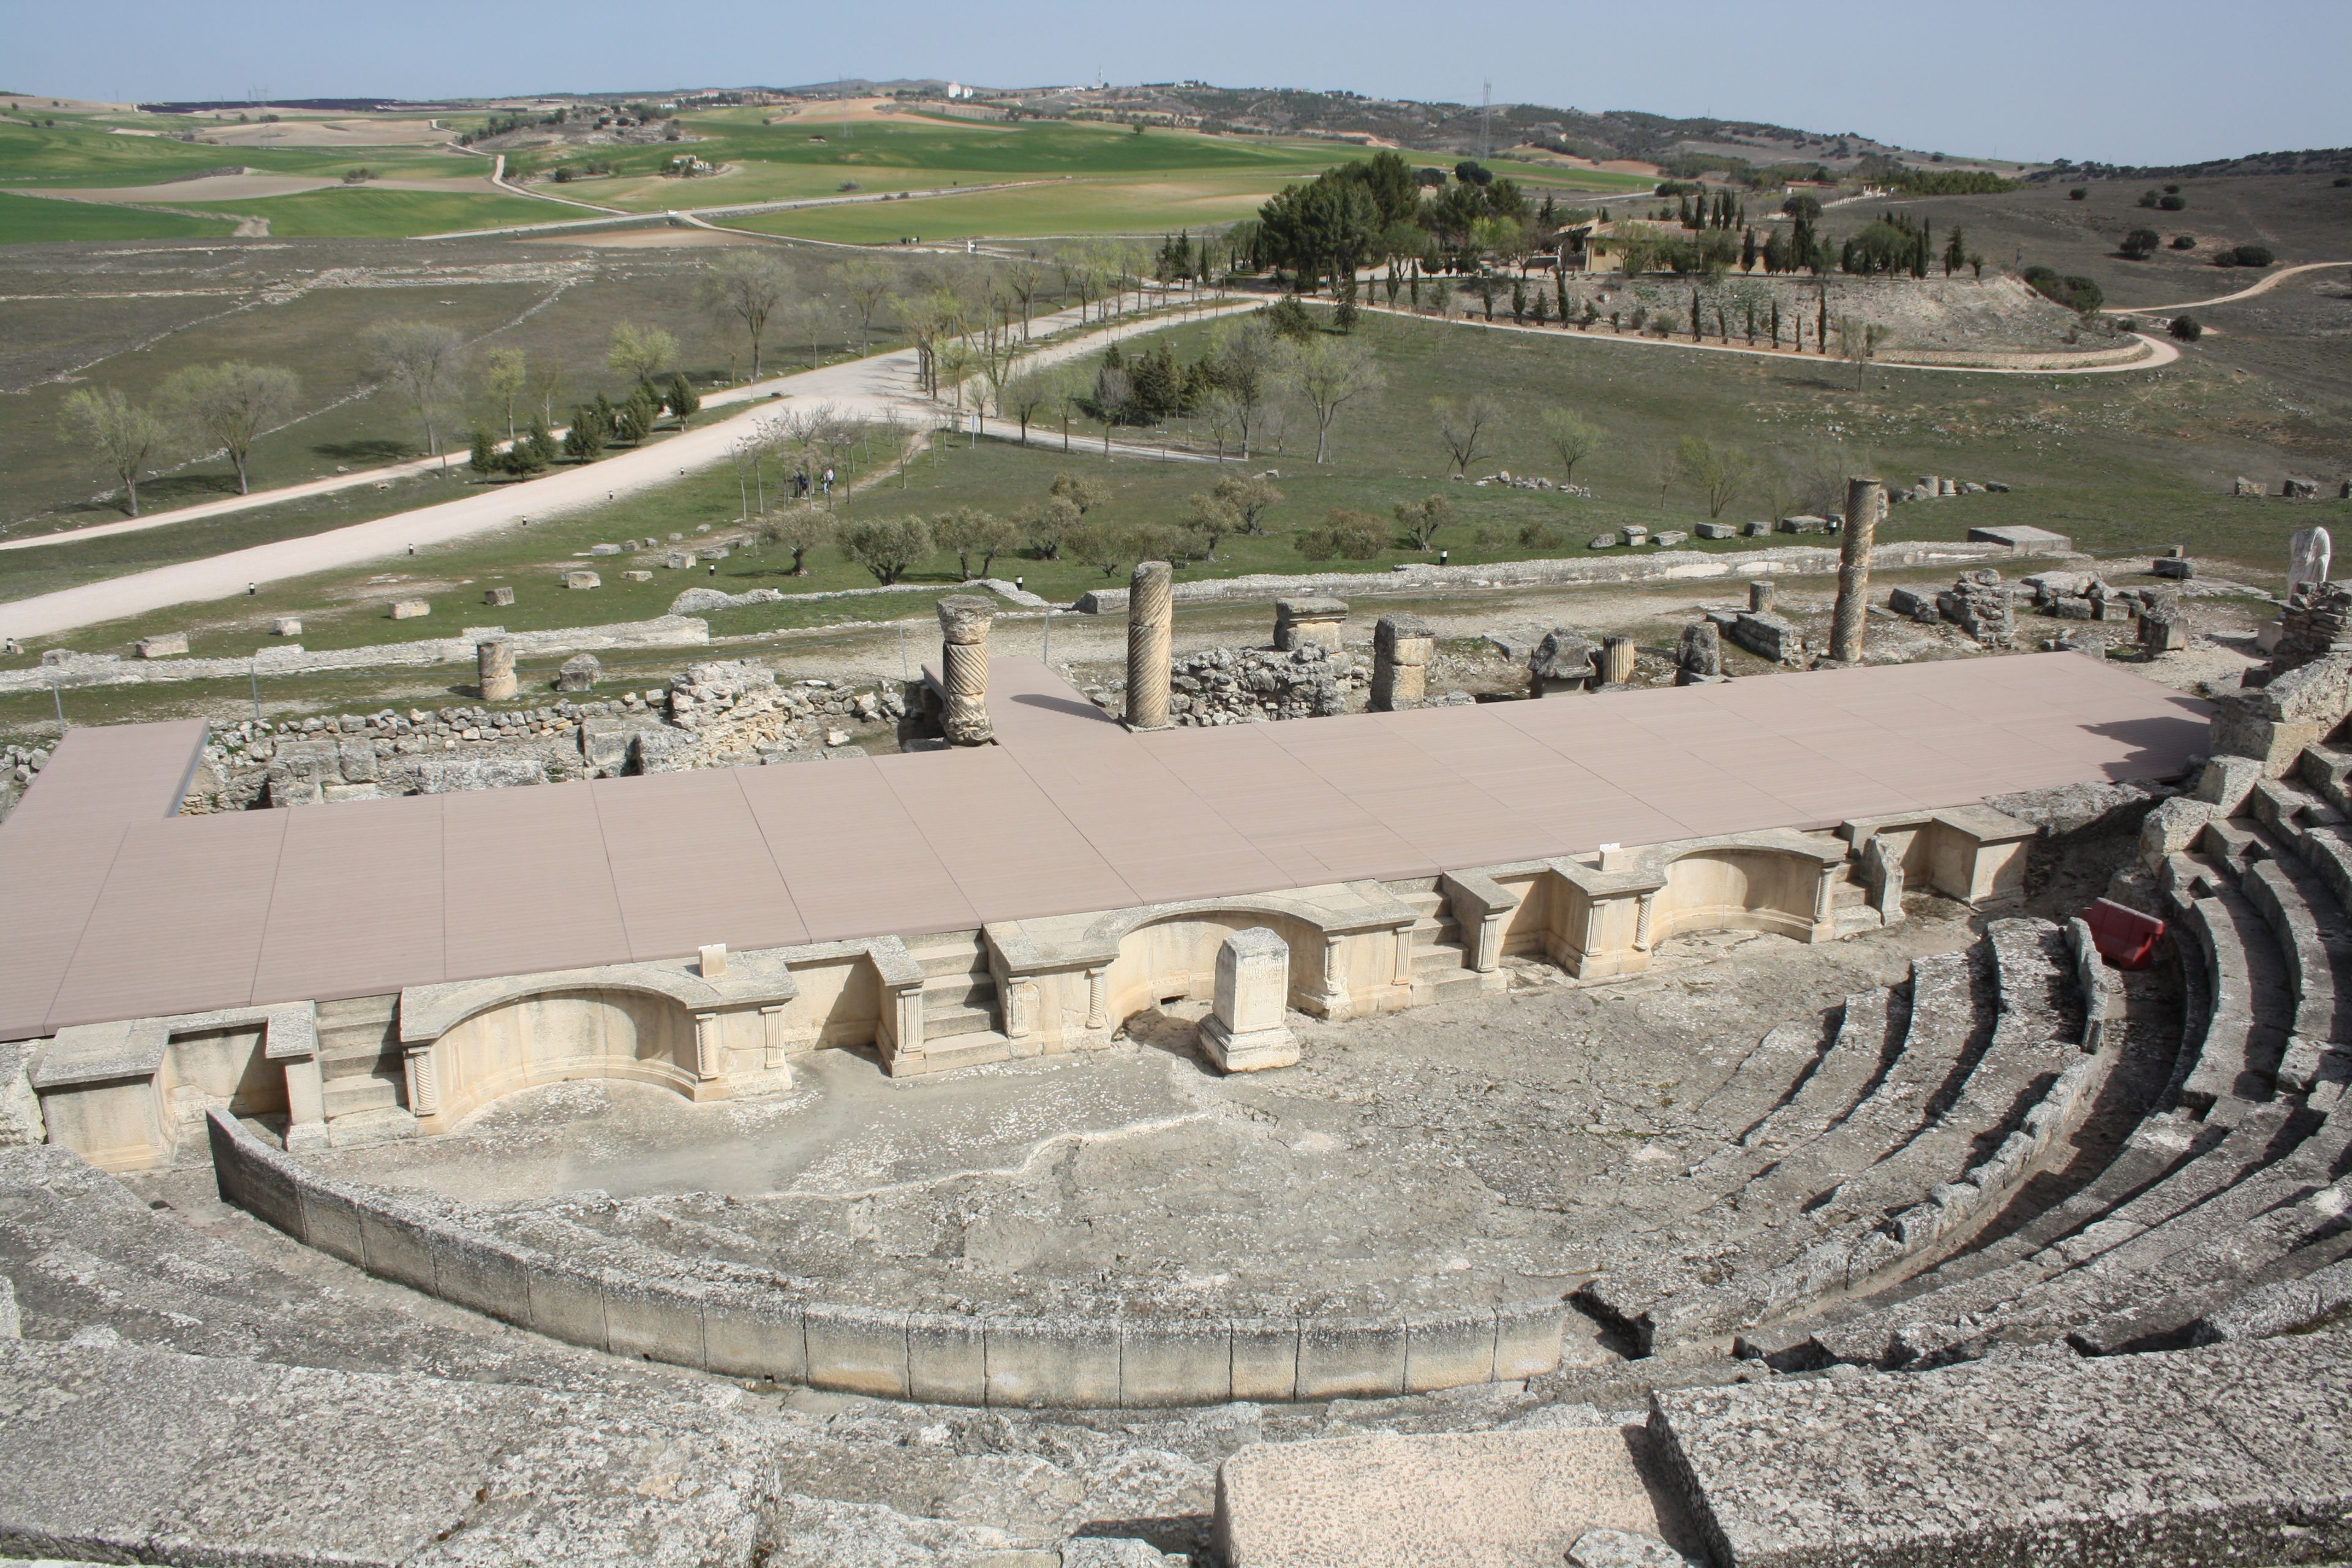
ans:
(1956, 251)
(684, 402)
(484, 459)
(1518, 300)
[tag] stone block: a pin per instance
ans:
(636, 577)
(648, 1319)
(1035, 1362)
(1602, 542)
(946, 1359)
(578, 673)
(753, 1331)
(1716, 529)
(474, 1272)
(249, 1177)
(330, 1223)
(1265, 1358)
(498, 595)
(1245, 1031)
(859, 1350)
(1756, 528)
(1175, 1360)
(1308, 620)
(2239, 731)
(678, 560)
(1350, 1358)
(1633, 534)
(286, 627)
(1769, 636)
(1527, 1339)
(567, 1304)
(164, 645)
(1804, 522)
(582, 580)
(1448, 1350)
(604, 550)
(398, 1248)
(1669, 538)
(2178, 569)
(410, 609)
(604, 742)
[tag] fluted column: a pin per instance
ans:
(1866, 504)
(1151, 629)
(963, 668)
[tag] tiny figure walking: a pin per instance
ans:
(828, 480)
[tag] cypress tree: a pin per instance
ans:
(1776, 323)
(1696, 317)
(1822, 328)
(1747, 252)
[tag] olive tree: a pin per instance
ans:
(1570, 439)
(888, 547)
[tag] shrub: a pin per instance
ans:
(2173, 204)
(1344, 534)
(2077, 193)
(1289, 319)
(2252, 255)
(2147, 198)
(2076, 293)
(2184, 242)
(2139, 244)
(2188, 329)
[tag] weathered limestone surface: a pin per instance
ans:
(1150, 630)
(2235, 1453)
(1445, 1501)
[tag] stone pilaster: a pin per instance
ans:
(1617, 661)
(1150, 630)
(1866, 504)
(964, 668)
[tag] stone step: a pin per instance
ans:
(949, 953)
(971, 1049)
(2313, 937)
(2167, 1316)
(2327, 771)
(944, 1022)
(2251, 1011)
(350, 1096)
(2281, 807)
(1439, 957)
(1436, 932)
(1424, 903)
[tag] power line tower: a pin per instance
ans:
(1485, 121)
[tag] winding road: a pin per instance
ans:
(866, 388)
(2264, 287)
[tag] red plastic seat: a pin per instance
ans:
(2124, 937)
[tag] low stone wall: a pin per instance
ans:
(78, 671)
(1665, 566)
(747, 1323)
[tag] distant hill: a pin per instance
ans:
(2310, 161)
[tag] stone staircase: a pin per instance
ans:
(360, 1061)
(960, 1015)
(1441, 959)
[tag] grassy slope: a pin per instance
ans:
(35, 220)
(359, 212)
(2079, 452)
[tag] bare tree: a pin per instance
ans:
(1721, 473)
(1024, 397)
(1462, 425)
(229, 405)
(546, 380)
(921, 317)
(747, 285)
(1329, 373)
(1858, 342)
(1023, 279)
(421, 361)
(124, 438)
(1246, 358)
(1570, 439)
(867, 285)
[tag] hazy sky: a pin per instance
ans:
(2126, 81)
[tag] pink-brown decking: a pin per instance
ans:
(112, 908)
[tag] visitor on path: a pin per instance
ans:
(828, 482)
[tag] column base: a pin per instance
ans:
(1254, 1051)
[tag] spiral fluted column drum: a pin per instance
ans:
(1151, 629)
(964, 668)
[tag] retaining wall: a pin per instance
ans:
(747, 1323)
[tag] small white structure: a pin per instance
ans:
(1246, 1030)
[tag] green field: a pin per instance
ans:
(86, 153)
(38, 220)
(2078, 452)
(360, 213)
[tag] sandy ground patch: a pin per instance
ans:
(254, 187)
